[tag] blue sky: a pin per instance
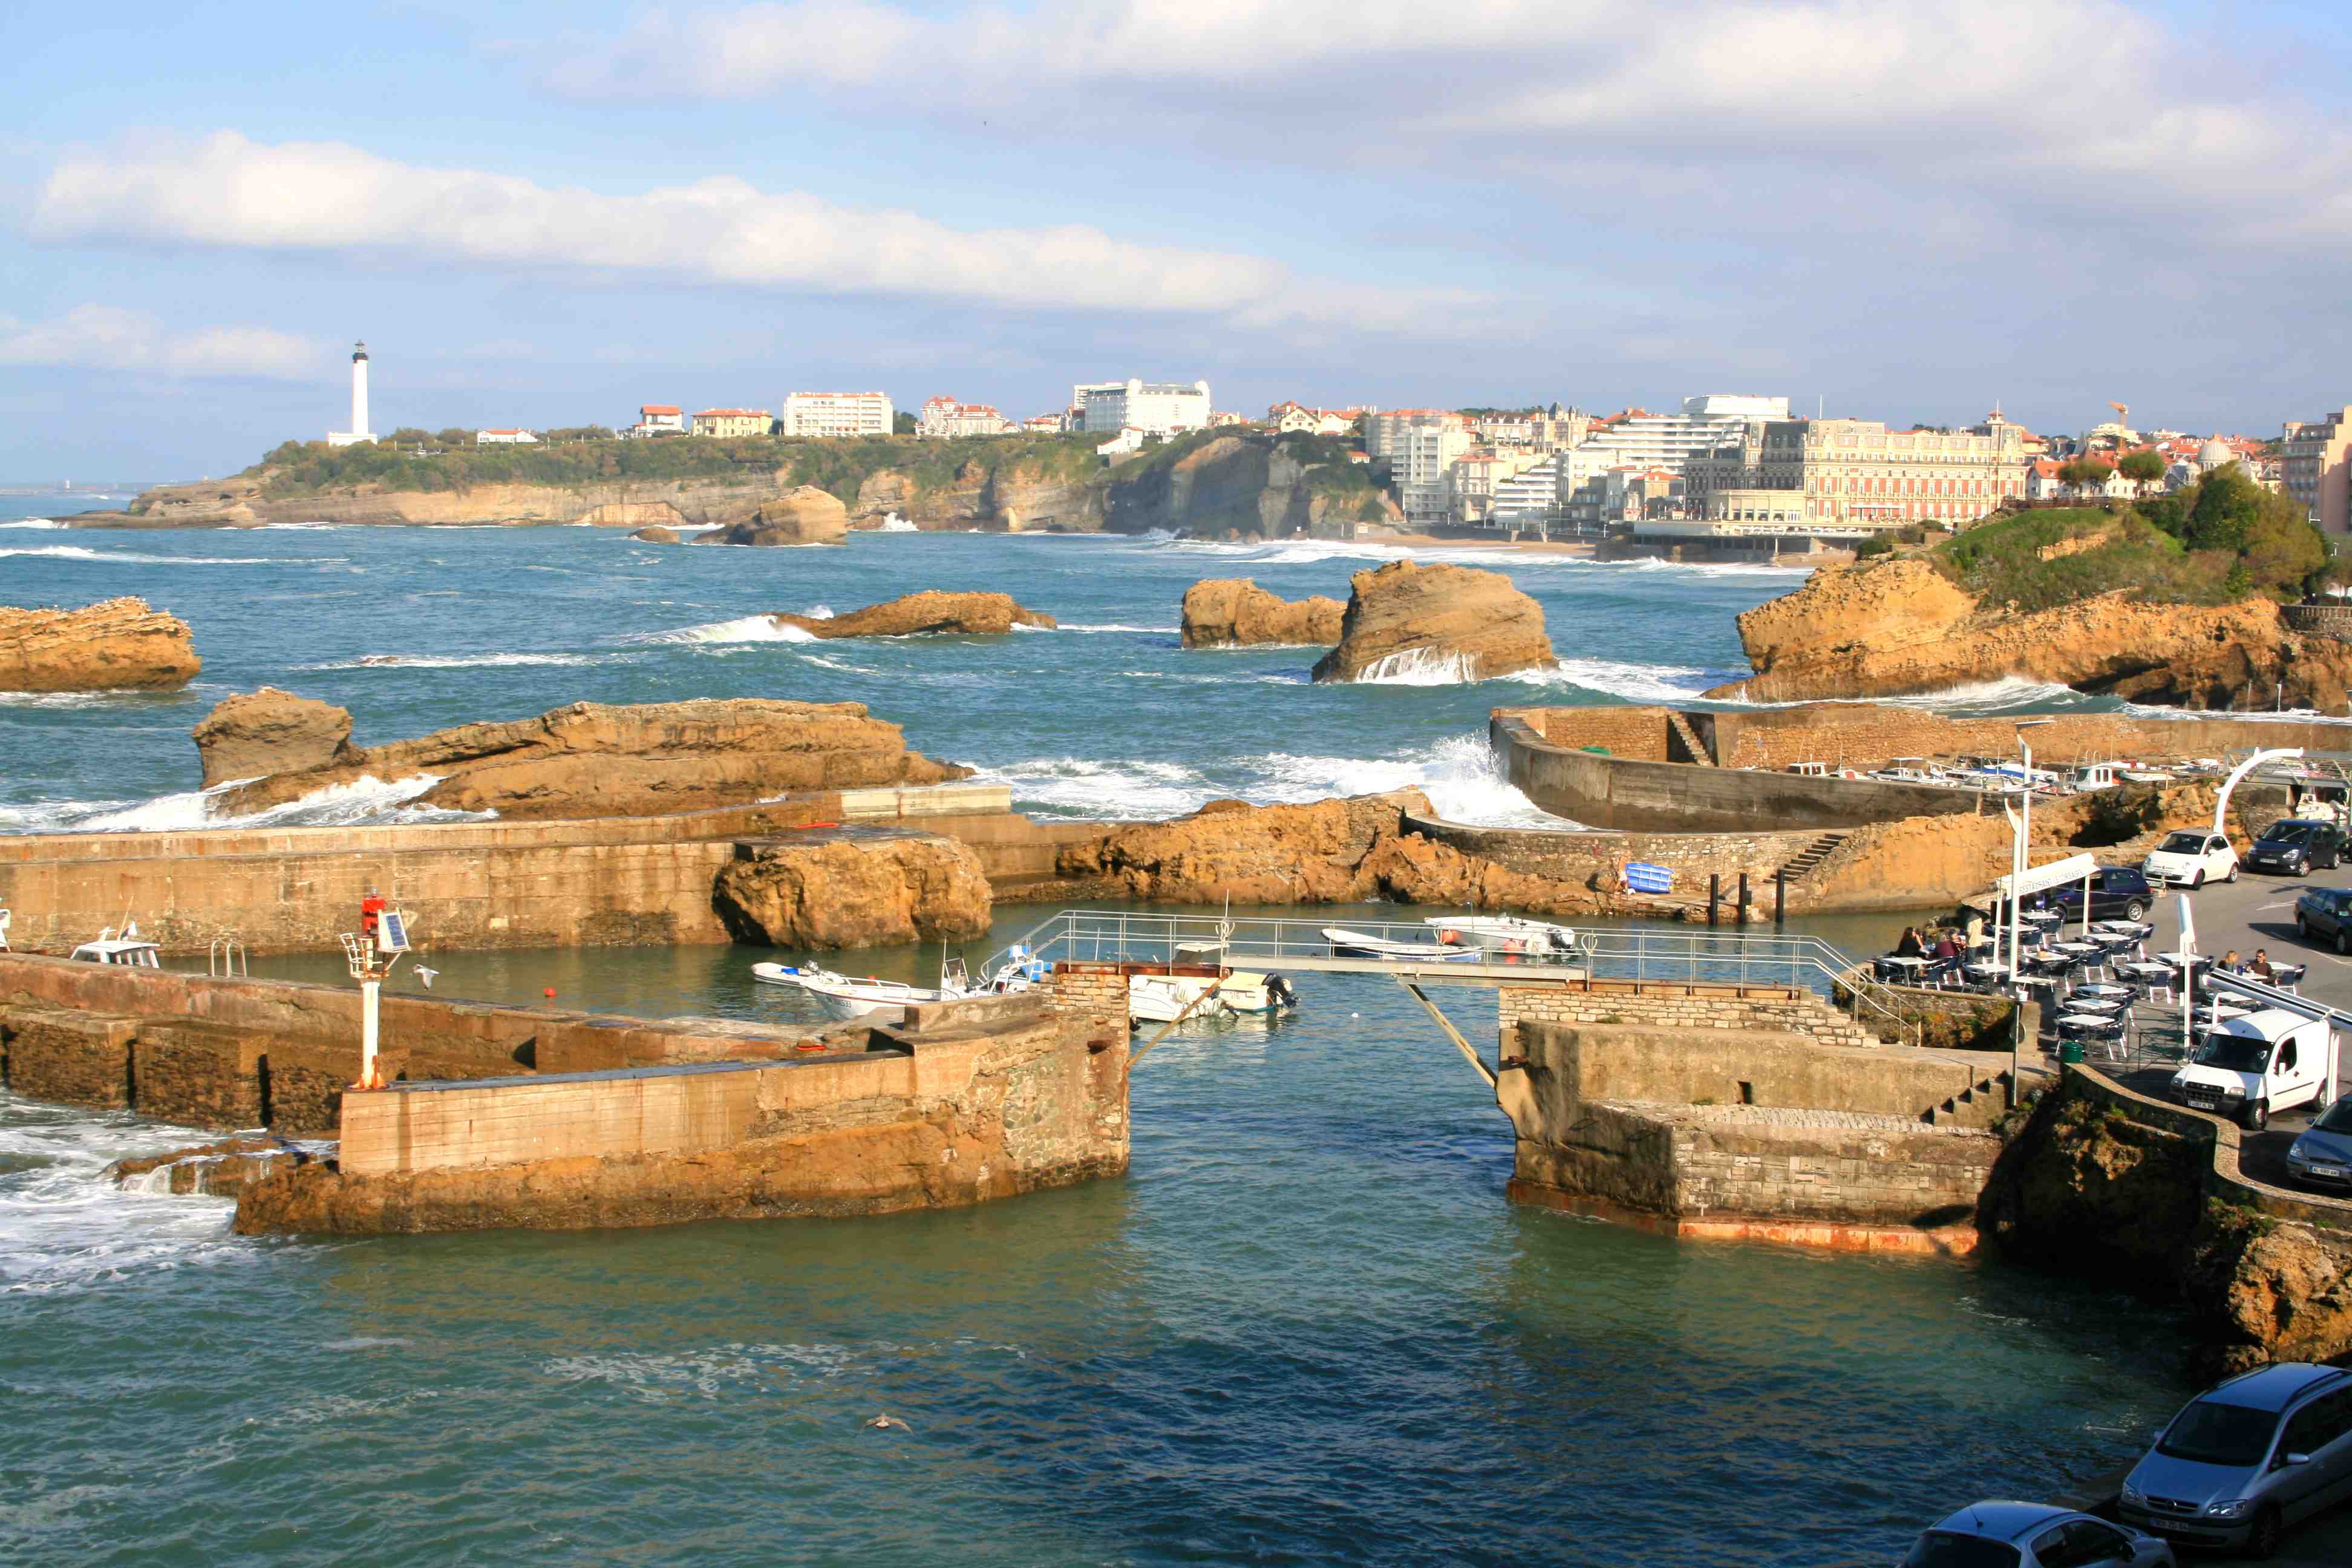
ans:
(548, 214)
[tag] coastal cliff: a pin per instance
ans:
(113, 645)
(1222, 483)
(590, 760)
(2113, 603)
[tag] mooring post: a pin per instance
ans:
(1779, 899)
(1743, 898)
(1714, 896)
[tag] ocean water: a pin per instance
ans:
(1306, 1327)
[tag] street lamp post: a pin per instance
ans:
(2020, 858)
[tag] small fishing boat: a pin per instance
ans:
(128, 948)
(1505, 934)
(1165, 998)
(881, 1001)
(1346, 943)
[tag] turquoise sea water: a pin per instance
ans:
(1306, 1328)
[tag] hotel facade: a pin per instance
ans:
(1855, 475)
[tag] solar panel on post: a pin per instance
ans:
(392, 931)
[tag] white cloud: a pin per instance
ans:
(227, 191)
(1780, 118)
(107, 337)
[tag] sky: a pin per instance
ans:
(546, 215)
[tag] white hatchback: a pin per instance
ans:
(2190, 859)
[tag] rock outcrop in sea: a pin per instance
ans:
(111, 646)
(657, 533)
(1436, 622)
(832, 893)
(928, 613)
(252, 734)
(1234, 612)
(802, 515)
(592, 759)
(1898, 628)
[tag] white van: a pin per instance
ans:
(2250, 1066)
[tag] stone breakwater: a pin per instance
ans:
(113, 645)
(555, 1119)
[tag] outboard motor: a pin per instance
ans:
(1278, 992)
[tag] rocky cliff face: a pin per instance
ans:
(1231, 485)
(1892, 628)
(1234, 612)
(252, 734)
(2084, 1189)
(115, 644)
(1470, 624)
(803, 515)
(589, 760)
(929, 613)
(833, 893)
(242, 502)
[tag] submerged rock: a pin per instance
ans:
(252, 734)
(803, 515)
(221, 1170)
(831, 892)
(113, 645)
(1447, 622)
(927, 612)
(1234, 612)
(591, 760)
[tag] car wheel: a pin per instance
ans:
(2303, 869)
(2133, 910)
(2199, 880)
(2342, 941)
(2233, 872)
(2256, 1116)
(2302, 926)
(2262, 1539)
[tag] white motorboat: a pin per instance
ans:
(1346, 943)
(1505, 934)
(126, 948)
(1165, 998)
(844, 997)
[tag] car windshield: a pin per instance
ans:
(1942, 1549)
(2182, 844)
(2338, 1118)
(2234, 1053)
(2211, 1433)
(2291, 832)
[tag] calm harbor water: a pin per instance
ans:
(1306, 1328)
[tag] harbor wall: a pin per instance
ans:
(606, 882)
(1750, 1134)
(1870, 734)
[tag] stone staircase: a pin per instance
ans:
(1699, 754)
(1805, 863)
(1980, 1105)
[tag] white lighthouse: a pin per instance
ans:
(359, 430)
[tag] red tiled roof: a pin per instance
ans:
(656, 408)
(740, 413)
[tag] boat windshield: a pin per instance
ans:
(2234, 1053)
(2211, 1433)
(2182, 844)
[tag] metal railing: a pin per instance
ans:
(1641, 954)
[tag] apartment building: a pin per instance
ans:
(1473, 482)
(1856, 475)
(1639, 438)
(837, 413)
(658, 419)
(734, 421)
(1161, 408)
(2317, 471)
(1419, 463)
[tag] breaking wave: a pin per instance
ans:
(472, 662)
(366, 799)
(742, 629)
(1647, 683)
(33, 522)
(1419, 667)
(82, 553)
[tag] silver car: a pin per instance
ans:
(2322, 1157)
(2247, 1458)
(2032, 1535)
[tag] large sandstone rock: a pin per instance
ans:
(1457, 620)
(656, 534)
(822, 891)
(929, 612)
(252, 734)
(1897, 628)
(113, 645)
(590, 760)
(1233, 612)
(804, 515)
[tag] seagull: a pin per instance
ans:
(884, 1422)
(426, 975)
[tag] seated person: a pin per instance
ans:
(2230, 961)
(2260, 967)
(1947, 949)
(1909, 946)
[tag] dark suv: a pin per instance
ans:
(2293, 846)
(2117, 892)
(2324, 914)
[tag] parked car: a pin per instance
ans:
(2247, 1458)
(2191, 859)
(2293, 846)
(2322, 1157)
(2324, 914)
(2248, 1067)
(2032, 1535)
(2117, 892)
